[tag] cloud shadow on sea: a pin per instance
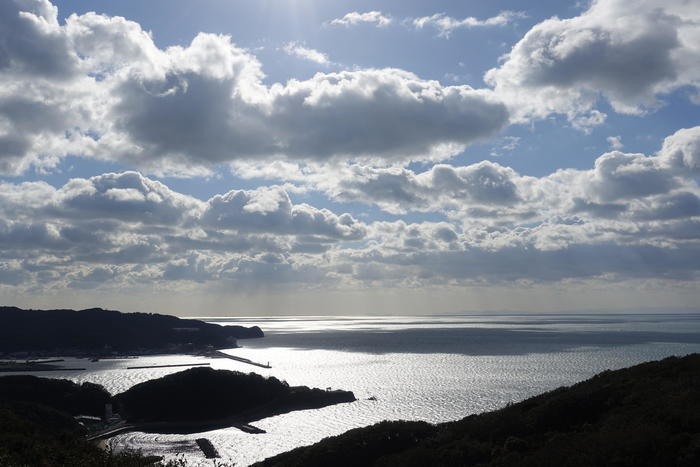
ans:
(467, 341)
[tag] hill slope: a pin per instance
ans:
(37, 425)
(646, 415)
(98, 330)
(213, 397)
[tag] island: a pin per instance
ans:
(646, 415)
(98, 332)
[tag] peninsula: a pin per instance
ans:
(202, 399)
(101, 332)
(47, 421)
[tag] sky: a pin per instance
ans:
(230, 157)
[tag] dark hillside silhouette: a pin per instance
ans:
(204, 394)
(37, 424)
(60, 394)
(37, 427)
(103, 331)
(646, 415)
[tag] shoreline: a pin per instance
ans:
(242, 421)
(45, 362)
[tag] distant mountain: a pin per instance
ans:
(104, 331)
(646, 415)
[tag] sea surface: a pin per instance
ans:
(431, 368)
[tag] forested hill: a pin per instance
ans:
(37, 427)
(646, 415)
(205, 394)
(98, 330)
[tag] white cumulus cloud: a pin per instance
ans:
(371, 17)
(447, 24)
(630, 53)
(109, 92)
(299, 50)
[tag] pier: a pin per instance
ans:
(220, 354)
(207, 448)
(165, 366)
(32, 366)
(248, 428)
(110, 431)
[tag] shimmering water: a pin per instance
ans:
(418, 368)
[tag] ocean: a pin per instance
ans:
(431, 368)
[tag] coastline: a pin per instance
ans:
(240, 421)
(554, 366)
(39, 362)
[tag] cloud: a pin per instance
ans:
(111, 93)
(681, 152)
(269, 209)
(615, 142)
(99, 87)
(32, 43)
(354, 18)
(372, 114)
(629, 217)
(42, 88)
(619, 186)
(509, 264)
(382, 115)
(129, 200)
(623, 197)
(194, 268)
(12, 275)
(443, 187)
(122, 229)
(126, 197)
(298, 50)
(507, 143)
(446, 24)
(92, 278)
(628, 53)
(443, 23)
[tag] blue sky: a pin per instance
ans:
(481, 155)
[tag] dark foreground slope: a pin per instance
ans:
(37, 427)
(646, 415)
(38, 436)
(59, 394)
(99, 331)
(199, 398)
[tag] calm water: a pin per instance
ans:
(418, 368)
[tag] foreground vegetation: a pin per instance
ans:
(38, 425)
(207, 395)
(646, 415)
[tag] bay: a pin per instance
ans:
(431, 368)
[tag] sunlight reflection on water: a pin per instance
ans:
(420, 368)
